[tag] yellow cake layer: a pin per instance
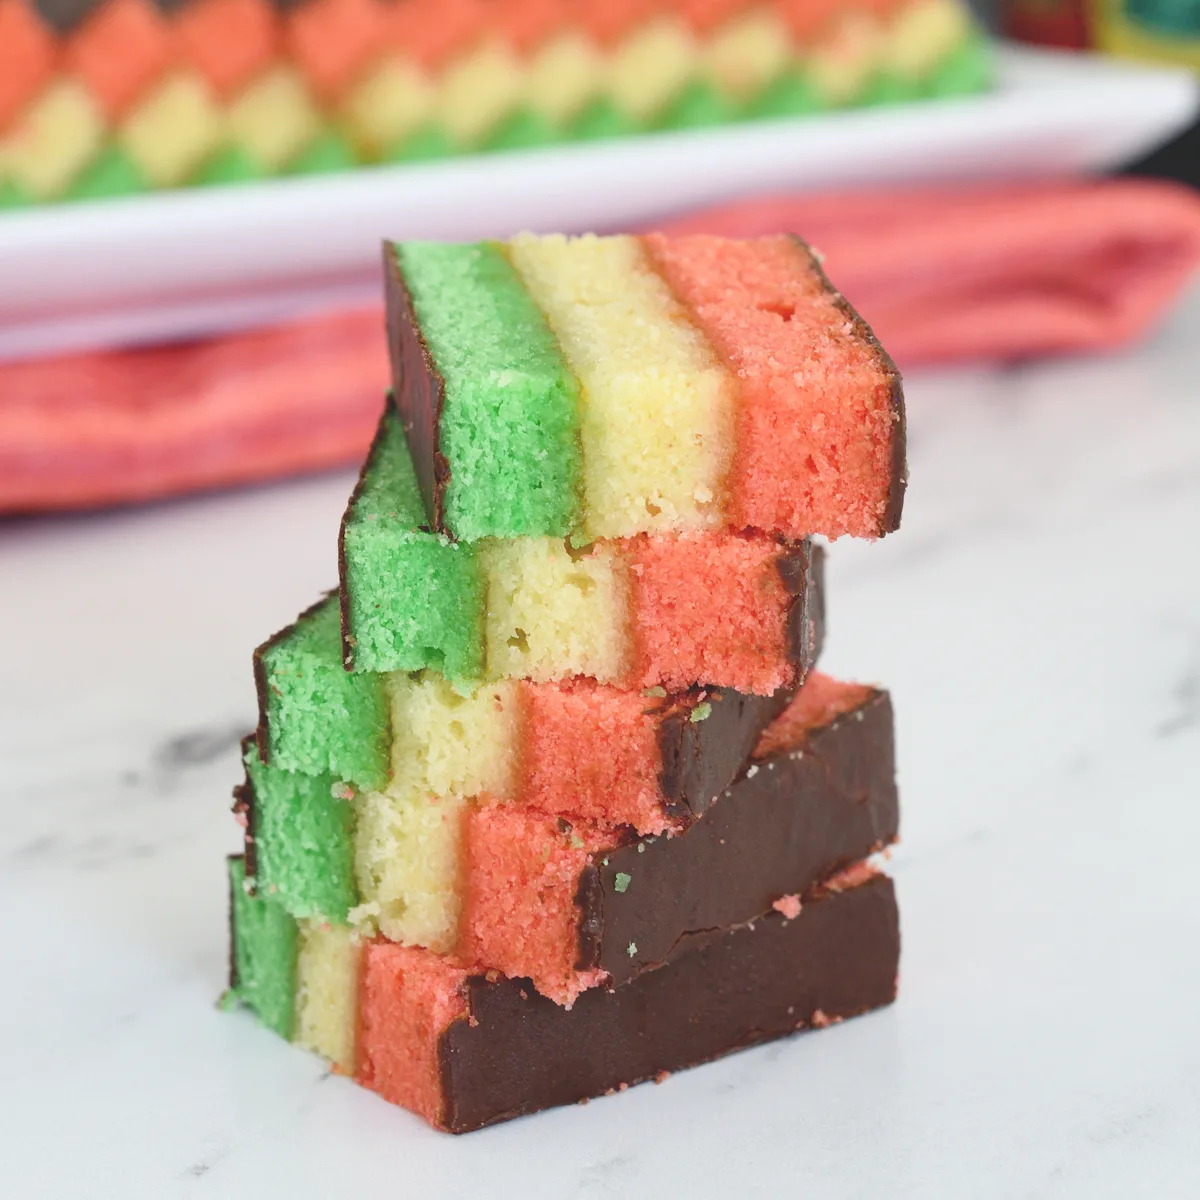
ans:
(55, 139)
(173, 130)
(921, 34)
(327, 991)
(553, 612)
(390, 104)
(748, 52)
(406, 858)
(476, 92)
(651, 66)
(562, 76)
(449, 744)
(656, 419)
(275, 118)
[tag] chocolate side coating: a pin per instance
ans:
(244, 805)
(517, 1052)
(898, 477)
(788, 822)
(233, 971)
(419, 389)
(802, 570)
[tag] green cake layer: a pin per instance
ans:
(320, 718)
(302, 830)
(263, 954)
(412, 599)
(510, 405)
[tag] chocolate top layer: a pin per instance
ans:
(517, 1052)
(788, 822)
(419, 389)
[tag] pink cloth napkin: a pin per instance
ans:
(942, 274)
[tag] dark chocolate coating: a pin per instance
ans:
(898, 478)
(788, 822)
(418, 388)
(518, 1052)
(63, 16)
(233, 971)
(244, 805)
(701, 758)
(802, 570)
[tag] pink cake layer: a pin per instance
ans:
(709, 607)
(522, 871)
(818, 420)
(819, 701)
(407, 997)
(590, 751)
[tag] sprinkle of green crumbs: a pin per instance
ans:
(659, 692)
(632, 949)
(622, 881)
(604, 861)
(576, 842)
(641, 847)
(701, 712)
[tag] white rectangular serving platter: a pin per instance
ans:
(194, 263)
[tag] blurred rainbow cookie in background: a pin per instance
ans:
(114, 97)
(549, 797)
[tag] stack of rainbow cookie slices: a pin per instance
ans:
(114, 97)
(549, 797)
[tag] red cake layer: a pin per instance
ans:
(709, 606)
(433, 31)
(229, 42)
(819, 426)
(592, 751)
(527, 24)
(119, 51)
(334, 41)
(27, 54)
(522, 871)
(818, 702)
(407, 997)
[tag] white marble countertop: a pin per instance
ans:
(1038, 620)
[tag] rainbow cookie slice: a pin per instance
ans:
(607, 387)
(552, 774)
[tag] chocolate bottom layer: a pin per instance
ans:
(517, 1052)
